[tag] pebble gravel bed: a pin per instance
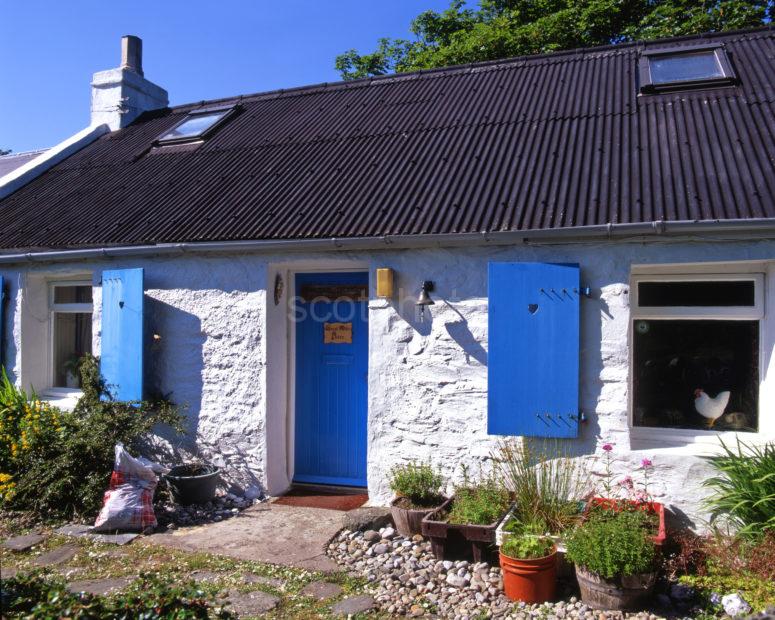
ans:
(407, 579)
(172, 516)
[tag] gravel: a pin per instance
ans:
(406, 579)
(172, 516)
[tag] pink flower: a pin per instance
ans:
(607, 447)
(627, 482)
(646, 463)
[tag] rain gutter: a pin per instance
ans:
(760, 228)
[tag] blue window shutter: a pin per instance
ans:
(121, 356)
(533, 357)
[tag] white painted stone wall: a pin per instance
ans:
(216, 323)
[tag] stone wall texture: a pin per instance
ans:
(427, 379)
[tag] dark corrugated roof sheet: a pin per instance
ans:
(12, 161)
(553, 141)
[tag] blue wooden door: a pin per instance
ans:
(331, 318)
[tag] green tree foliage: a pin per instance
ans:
(504, 28)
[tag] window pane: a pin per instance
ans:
(693, 294)
(72, 339)
(674, 359)
(72, 294)
(685, 67)
(194, 126)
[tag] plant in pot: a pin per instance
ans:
(193, 483)
(546, 484)
(615, 558)
(418, 492)
(529, 564)
(464, 526)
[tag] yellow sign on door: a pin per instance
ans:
(337, 333)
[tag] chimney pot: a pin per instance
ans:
(132, 53)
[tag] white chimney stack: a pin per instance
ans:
(119, 96)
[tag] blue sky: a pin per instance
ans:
(195, 49)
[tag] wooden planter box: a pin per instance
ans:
(460, 542)
(615, 504)
(408, 520)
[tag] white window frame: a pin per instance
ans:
(55, 308)
(679, 436)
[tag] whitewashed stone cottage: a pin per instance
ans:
(595, 227)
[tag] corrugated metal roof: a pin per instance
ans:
(554, 141)
(12, 161)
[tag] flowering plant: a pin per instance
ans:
(626, 488)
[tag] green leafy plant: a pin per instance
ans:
(419, 483)
(527, 547)
(481, 503)
(150, 597)
(545, 481)
(743, 491)
(63, 468)
(612, 544)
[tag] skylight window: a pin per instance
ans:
(684, 68)
(196, 125)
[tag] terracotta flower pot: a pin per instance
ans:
(531, 581)
(408, 520)
(620, 593)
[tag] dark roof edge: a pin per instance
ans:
(762, 228)
(579, 51)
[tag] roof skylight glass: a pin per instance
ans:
(685, 67)
(195, 126)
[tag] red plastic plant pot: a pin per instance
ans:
(616, 504)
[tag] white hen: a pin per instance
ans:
(711, 408)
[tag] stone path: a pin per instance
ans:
(321, 590)
(284, 535)
(99, 587)
(251, 603)
(23, 543)
(56, 556)
(353, 605)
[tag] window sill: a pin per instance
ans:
(62, 398)
(690, 441)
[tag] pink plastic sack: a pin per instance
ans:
(128, 502)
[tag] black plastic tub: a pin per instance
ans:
(193, 484)
(460, 542)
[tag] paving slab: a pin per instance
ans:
(79, 530)
(99, 587)
(353, 605)
(60, 555)
(8, 572)
(272, 533)
(251, 603)
(321, 590)
(23, 543)
(264, 581)
(205, 575)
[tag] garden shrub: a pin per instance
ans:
(62, 461)
(613, 543)
(743, 492)
(417, 482)
(725, 563)
(150, 597)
